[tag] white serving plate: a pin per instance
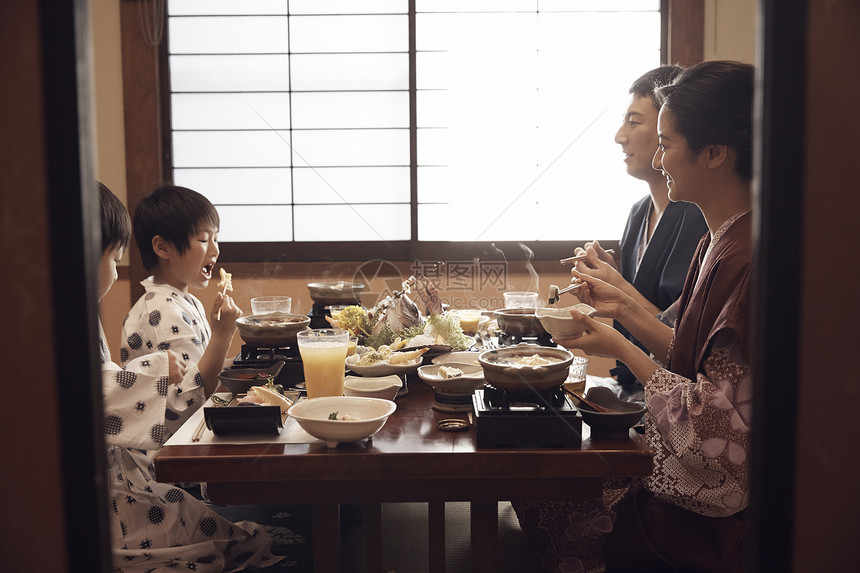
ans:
(382, 368)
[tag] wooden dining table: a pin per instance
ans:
(408, 460)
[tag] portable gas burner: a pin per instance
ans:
(292, 373)
(537, 419)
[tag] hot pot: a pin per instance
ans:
(272, 330)
(335, 292)
(519, 322)
(503, 370)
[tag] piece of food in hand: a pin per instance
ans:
(450, 372)
(226, 282)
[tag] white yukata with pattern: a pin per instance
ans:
(155, 526)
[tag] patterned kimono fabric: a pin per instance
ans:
(155, 526)
(688, 515)
(698, 427)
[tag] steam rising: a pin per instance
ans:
(534, 281)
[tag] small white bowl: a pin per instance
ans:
(558, 322)
(370, 415)
(385, 387)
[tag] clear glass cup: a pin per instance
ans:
(267, 304)
(353, 345)
(335, 310)
(521, 299)
(469, 320)
(576, 378)
(323, 353)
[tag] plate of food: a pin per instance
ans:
(434, 350)
(384, 361)
(262, 410)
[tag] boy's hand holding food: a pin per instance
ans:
(176, 367)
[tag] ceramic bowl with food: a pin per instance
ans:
(605, 425)
(525, 367)
(453, 377)
(336, 419)
(385, 387)
(271, 330)
(240, 380)
(559, 323)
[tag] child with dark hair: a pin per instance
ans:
(176, 231)
(156, 526)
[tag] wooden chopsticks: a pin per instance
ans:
(582, 257)
(569, 288)
(198, 433)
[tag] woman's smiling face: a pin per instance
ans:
(680, 165)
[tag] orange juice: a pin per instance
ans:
(323, 353)
(324, 367)
(469, 321)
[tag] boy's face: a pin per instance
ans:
(107, 269)
(193, 268)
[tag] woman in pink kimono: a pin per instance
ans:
(689, 513)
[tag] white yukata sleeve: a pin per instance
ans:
(135, 402)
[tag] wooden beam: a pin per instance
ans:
(141, 100)
(686, 35)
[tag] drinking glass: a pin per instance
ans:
(267, 304)
(521, 299)
(323, 353)
(469, 320)
(335, 310)
(576, 378)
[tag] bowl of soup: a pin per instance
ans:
(525, 367)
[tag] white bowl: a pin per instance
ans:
(382, 368)
(462, 356)
(471, 380)
(370, 413)
(559, 323)
(385, 387)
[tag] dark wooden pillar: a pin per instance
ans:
(141, 100)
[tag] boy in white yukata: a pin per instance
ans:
(154, 526)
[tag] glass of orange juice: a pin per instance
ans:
(323, 353)
(469, 320)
